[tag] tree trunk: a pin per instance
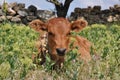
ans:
(60, 8)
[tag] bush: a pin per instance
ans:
(16, 47)
(17, 44)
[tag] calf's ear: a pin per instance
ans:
(38, 25)
(78, 25)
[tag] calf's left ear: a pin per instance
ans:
(78, 25)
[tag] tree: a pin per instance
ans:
(61, 8)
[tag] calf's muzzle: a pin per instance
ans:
(61, 51)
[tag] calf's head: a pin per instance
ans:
(58, 30)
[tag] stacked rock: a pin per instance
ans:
(96, 15)
(16, 12)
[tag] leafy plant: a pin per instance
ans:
(17, 44)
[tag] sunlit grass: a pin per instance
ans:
(17, 44)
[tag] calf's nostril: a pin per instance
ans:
(61, 51)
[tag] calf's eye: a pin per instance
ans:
(50, 33)
(68, 34)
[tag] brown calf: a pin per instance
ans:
(58, 38)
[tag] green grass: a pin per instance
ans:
(17, 44)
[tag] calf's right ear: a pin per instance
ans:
(38, 25)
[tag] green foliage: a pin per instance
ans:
(4, 6)
(17, 44)
(106, 41)
(16, 47)
(4, 70)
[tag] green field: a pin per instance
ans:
(17, 44)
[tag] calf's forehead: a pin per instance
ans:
(58, 24)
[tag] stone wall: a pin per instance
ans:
(96, 15)
(16, 12)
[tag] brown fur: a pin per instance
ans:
(58, 30)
